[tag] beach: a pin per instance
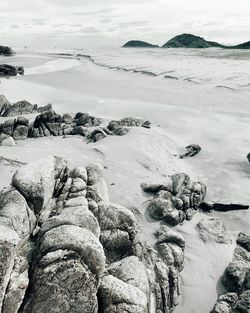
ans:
(187, 100)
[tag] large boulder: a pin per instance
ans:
(36, 182)
(62, 282)
(116, 296)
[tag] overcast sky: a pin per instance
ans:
(84, 23)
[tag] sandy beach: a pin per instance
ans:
(213, 113)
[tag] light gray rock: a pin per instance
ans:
(117, 296)
(61, 282)
(36, 182)
(9, 240)
(15, 213)
(17, 286)
(167, 235)
(213, 230)
(132, 271)
(8, 141)
(74, 238)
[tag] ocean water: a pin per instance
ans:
(213, 67)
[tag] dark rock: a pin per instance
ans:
(10, 70)
(224, 207)
(7, 51)
(243, 304)
(139, 44)
(236, 277)
(86, 120)
(192, 150)
(46, 124)
(244, 241)
(248, 157)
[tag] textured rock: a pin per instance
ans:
(10, 70)
(212, 229)
(36, 182)
(62, 283)
(23, 107)
(236, 279)
(191, 151)
(6, 51)
(176, 199)
(116, 296)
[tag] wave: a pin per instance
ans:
(120, 68)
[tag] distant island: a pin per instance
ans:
(6, 51)
(186, 41)
(139, 44)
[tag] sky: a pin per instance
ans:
(97, 23)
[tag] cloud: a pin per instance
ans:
(116, 21)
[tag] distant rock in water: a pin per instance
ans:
(139, 44)
(10, 70)
(6, 51)
(190, 41)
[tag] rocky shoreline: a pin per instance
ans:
(65, 246)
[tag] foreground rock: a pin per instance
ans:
(20, 107)
(176, 199)
(10, 70)
(236, 280)
(65, 248)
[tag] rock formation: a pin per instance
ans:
(176, 199)
(7, 51)
(10, 70)
(236, 280)
(65, 248)
(139, 44)
(49, 123)
(191, 151)
(20, 107)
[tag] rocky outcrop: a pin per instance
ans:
(64, 247)
(6, 51)
(15, 128)
(20, 107)
(176, 199)
(49, 123)
(10, 70)
(139, 44)
(236, 280)
(191, 151)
